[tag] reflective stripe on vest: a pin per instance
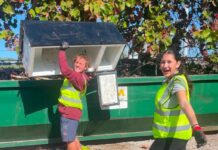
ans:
(169, 113)
(70, 96)
(169, 120)
(172, 129)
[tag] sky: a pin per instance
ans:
(6, 52)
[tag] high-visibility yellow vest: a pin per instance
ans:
(169, 120)
(70, 96)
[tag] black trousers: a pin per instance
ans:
(169, 144)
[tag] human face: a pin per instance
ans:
(169, 65)
(80, 64)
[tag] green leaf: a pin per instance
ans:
(141, 38)
(113, 19)
(196, 33)
(140, 29)
(108, 9)
(43, 18)
(1, 2)
(75, 13)
(32, 13)
(210, 46)
(149, 39)
(97, 8)
(5, 34)
(59, 17)
(128, 4)
(205, 33)
(167, 23)
(159, 19)
(173, 31)
(64, 6)
(122, 6)
(86, 7)
(37, 10)
(150, 10)
(155, 47)
(214, 58)
(45, 4)
(205, 14)
(8, 9)
(168, 41)
(124, 24)
(69, 4)
(209, 39)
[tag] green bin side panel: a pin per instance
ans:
(28, 102)
(29, 116)
(204, 98)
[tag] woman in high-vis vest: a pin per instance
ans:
(70, 104)
(174, 118)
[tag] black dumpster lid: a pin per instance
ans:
(52, 33)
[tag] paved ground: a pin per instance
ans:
(129, 145)
(136, 145)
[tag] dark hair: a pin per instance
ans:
(181, 68)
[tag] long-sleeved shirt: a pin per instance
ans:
(77, 80)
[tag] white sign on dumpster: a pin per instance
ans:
(123, 97)
(107, 88)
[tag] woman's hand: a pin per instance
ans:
(64, 46)
(199, 135)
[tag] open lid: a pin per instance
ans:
(40, 41)
(51, 33)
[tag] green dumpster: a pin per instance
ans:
(28, 110)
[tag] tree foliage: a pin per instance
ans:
(150, 26)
